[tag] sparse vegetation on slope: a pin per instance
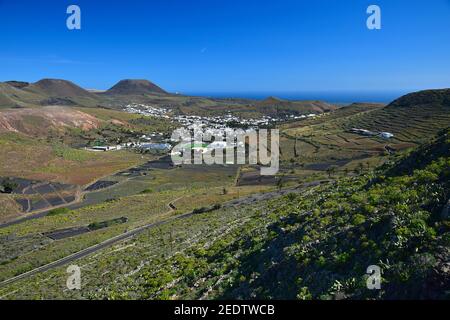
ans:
(311, 245)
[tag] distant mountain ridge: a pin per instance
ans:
(20, 94)
(274, 105)
(18, 84)
(48, 92)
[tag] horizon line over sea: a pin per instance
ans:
(338, 97)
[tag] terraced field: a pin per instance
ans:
(329, 138)
(410, 125)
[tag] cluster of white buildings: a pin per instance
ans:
(220, 122)
(152, 136)
(364, 132)
(110, 148)
(214, 126)
(151, 146)
(148, 110)
(224, 122)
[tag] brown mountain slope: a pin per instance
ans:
(135, 87)
(58, 88)
(38, 121)
(11, 95)
(63, 92)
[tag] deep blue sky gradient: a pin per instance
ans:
(218, 46)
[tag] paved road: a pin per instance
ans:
(21, 220)
(85, 252)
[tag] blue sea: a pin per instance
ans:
(337, 97)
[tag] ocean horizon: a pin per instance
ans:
(338, 97)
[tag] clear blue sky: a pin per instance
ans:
(229, 45)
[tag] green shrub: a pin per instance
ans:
(358, 219)
(59, 211)
(199, 210)
(7, 186)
